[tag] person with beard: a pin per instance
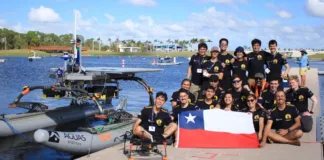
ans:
(183, 106)
(240, 65)
(239, 93)
(208, 102)
(267, 97)
(219, 92)
(285, 122)
(258, 115)
(259, 84)
(226, 60)
(212, 67)
(256, 61)
(152, 120)
(175, 100)
(299, 96)
(275, 61)
(227, 103)
(195, 69)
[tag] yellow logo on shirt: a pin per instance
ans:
(216, 68)
(274, 102)
(227, 61)
(259, 57)
(189, 100)
(256, 117)
(243, 98)
(159, 122)
(275, 61)
(301, 98)
(216, 98)
(243, 66)
(288, 116)
(211, 106)
(204, 61)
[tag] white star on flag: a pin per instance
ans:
(190, 118)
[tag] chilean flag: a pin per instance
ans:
(216, 128)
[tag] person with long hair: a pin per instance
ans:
(227, 103)
(258, 114)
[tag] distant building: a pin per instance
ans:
(129, 49)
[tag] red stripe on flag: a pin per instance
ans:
(207, 139)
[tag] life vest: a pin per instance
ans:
(264, 85)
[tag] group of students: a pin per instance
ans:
(240, 84)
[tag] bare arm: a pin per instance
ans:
(261, 125)
(189, 72)
(266, 132)
(314, 100)
(220, 75)
(173, 104)
(287, 69)
(136, 124)
(296, 124)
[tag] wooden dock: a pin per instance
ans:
(309, 149)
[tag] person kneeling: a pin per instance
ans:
(285, 120)
(151, 123)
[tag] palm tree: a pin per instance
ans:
(209, 41)
(98, 39)
(109, 40)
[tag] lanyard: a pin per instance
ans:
(152, 118)
(212, 66)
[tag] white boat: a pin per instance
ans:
(166, 61)
(34, 57)
(2, 60)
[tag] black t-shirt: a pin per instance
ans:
(267, 100)
(202, 105)
(256, 63)
(159, 120)
(227, 60)
(239, 98)
(175, 97)
(299, 98)
(219, 93)
(285, 118)
(275, 63)
(240, 68)
(256, 118)
(178, 109)
(196, 63)
(212, 68)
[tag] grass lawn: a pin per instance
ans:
(21, 52)
(316, 56)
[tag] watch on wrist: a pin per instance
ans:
(288, 130)
(311, 112)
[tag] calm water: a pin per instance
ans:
(17, 72)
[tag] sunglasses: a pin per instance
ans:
(223, 44)
(236, 81)
(250, 100)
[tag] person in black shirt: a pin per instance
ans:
(153, 119)
(226, 60)
(274, 62)
(219, 92)
(227, 103)
(256, 61)
(240, 65)
(258, 115)
(208, 102)
(267, 98)
(185, 84)
(183, 106)
(259, 84)
(285, 120)
(239, 93)
(195, 69)
(299, 96)
(212, 67)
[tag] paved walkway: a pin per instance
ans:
(309, 149)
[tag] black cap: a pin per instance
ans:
(213, 78)
(163, 94)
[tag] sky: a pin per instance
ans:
(293, 23)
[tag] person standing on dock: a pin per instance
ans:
(283, 123)
(195, 69)
(274, 62)
(175, 98)
(303, 67)
(299, 96)
(226, 60)
(151, 123)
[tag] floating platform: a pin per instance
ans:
(310, 148)
(320, 72)
(2, 60)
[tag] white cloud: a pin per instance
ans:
(315, 7)
(144, 3)
(84, 22)
(242, 1)
(176, 27)
(147, 19)
(287, 29)
(43, 14)
(284, 14)
(110, 17)
(270, 23)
